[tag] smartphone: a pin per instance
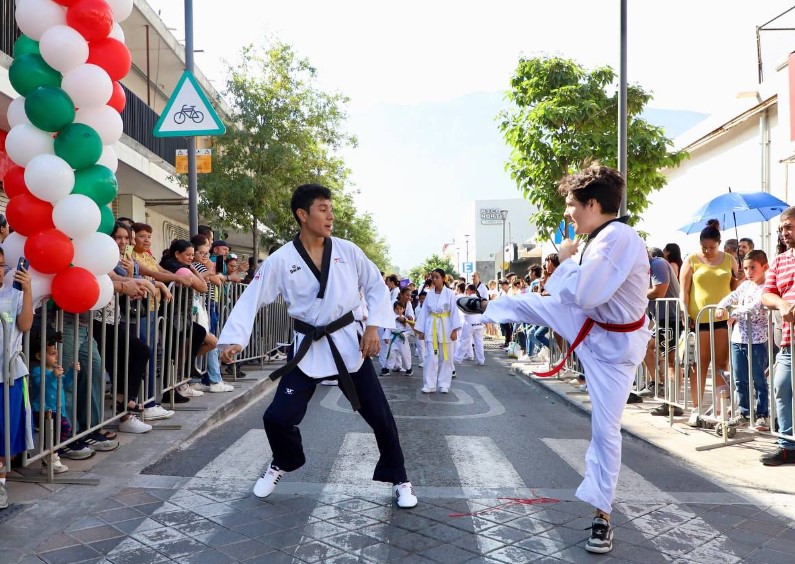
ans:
(128, 252)
(22, 263)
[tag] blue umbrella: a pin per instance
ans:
(736, 208)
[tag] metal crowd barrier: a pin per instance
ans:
(103, 342)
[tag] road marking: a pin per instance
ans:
(680, 527)
(246, 458)
(334, 400)
(481, 464)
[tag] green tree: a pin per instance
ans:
(417, 274)
(563, 118)
(284, 131)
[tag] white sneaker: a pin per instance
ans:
(428, 390)
(157, 412)
(444, 390)
(199, 387)
(329, 382)
(134, 425)
(267, 482)
(279, 356)
(692, 421)
(220, 387)
(583, 388)
(404, 496)
(77, 451)
(57, 466)
(189, 392)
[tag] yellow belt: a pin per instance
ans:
(444, 333)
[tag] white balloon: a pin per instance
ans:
(34, 17)
(105, 291)
(76, 215)
(109, 159)
(16, 112)
(105, 120)
(40, 285)
(117, 32)
(26, 141)
(63, 48)
(121, 9)
(89, 86)
(97, 253)
(49, 178)
(13, 248)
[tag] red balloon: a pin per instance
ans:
(14, 182)
(93, 19)
(3, 135)
(75, 289)
(111, 55)
(118, 99)
(49, 252)
(66, 3)
(28, 215)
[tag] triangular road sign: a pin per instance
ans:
(188, 112)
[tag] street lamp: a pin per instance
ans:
(466, 239)
(504, 216)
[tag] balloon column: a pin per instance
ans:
(66, 68)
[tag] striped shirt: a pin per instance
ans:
(780, 281)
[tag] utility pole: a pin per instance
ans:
(622, 108)
(193, 190)
(504, 216)
(466, 238)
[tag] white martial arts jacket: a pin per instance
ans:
(609, 286)
(285, 272)
(439, 311)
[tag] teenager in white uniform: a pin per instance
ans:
(480, 287)
(438, 323)
(420, 342)
(319, 277)
(393, 285)
(606, 281)
(471, 333)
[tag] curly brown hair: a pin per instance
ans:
(595, 182)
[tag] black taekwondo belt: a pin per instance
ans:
(311, 334)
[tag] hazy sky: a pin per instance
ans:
(418, 56)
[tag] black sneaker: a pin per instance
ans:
(454, 374)
(634, 398)
(384, 371)
(663, 410)
(471, 305)
(779, 457)
(410, 372)
(601, 540)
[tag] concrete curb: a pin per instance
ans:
(50, 509)
(736, 466)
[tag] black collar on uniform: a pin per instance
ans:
(592, 235)
(325, 264)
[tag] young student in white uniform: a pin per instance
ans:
(598, 299)
(420, 342)
(396, 342)
(471, 333)
(438, 323)
(393, 285)
(319, 277)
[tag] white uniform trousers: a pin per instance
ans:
(609, 385)
(477, 340)
(400, 357)
(421, 349)
(437, 372)
(463, 346)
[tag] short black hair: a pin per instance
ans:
(305, 195)
(205, 230)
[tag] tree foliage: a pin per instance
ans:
(419, 272)
(564, 118)
(284, 131)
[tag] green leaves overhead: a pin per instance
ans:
(564, 117)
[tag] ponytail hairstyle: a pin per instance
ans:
(711, 232)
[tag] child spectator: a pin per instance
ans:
(747, 298)
(55, 383)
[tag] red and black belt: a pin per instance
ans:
(584, 330)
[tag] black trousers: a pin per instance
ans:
(507, 332)
(288, 408)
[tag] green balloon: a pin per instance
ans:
(25, 45)
(79, 145)
(49, 109)
(107, 222)
(29, 71)
(97, 182)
